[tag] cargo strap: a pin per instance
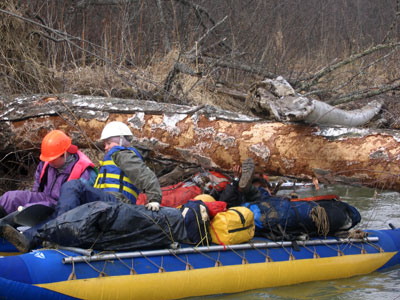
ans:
(242, 219)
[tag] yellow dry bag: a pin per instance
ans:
(234, 226)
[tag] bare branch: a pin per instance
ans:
(235, 65)
(317, 76)
(84, 3)
(365, 93)
(199, 10)
(200, 40)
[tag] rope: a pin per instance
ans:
(132, 270)
(209, 257)
(242, 257)
(101, 273)
(266, 255)
(160, 268)
(95, 241)
(199, 229)
(72, 276)
(219, 241)
(180, 259)
(170, 236)
(204, 237)
(320, 218)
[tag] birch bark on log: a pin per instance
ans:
(210, 137)
(276, 98)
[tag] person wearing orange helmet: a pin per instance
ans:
(61, 161)
(123, 175)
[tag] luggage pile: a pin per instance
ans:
(191, 215)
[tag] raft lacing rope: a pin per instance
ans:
(101, 273)
(161, 269)
(340, 250)
(188, 265)
(217, 261)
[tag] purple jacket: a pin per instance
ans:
(11, 200)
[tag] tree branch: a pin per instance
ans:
(365, 93)
(313, 80)
(199, 41)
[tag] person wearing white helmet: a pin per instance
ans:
(123, 170)
(122, 176)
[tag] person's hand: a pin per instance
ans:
(237, 171)
(154, 206)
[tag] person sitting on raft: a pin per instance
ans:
(122, 176)
(61, 161)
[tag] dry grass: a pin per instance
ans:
(22, 64)
(102, 81)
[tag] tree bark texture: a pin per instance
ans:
(210, 137)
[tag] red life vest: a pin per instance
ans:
(80, 166)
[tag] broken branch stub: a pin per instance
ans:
(276, 99)
(210, 137)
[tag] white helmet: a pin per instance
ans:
(115, 129)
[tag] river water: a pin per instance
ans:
(377, 209)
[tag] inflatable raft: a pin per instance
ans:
(66, 273)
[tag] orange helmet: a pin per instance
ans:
(54, 144)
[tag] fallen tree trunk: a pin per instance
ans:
(277, 99)
(210, 137)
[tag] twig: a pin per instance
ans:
(315, 78)
(199, 41)
(365, 93)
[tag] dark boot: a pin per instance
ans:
(14, 237)
(253, 194)
(246, 177)
(9, 219)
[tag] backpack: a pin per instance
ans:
(196, 219)
(279, 217)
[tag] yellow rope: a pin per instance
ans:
(320, 218)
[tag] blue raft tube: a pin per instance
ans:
(69, 273)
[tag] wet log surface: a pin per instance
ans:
(210, 137)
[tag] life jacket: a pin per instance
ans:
(80, 166)
(174, 195)
(112, 179)
(234, 226)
